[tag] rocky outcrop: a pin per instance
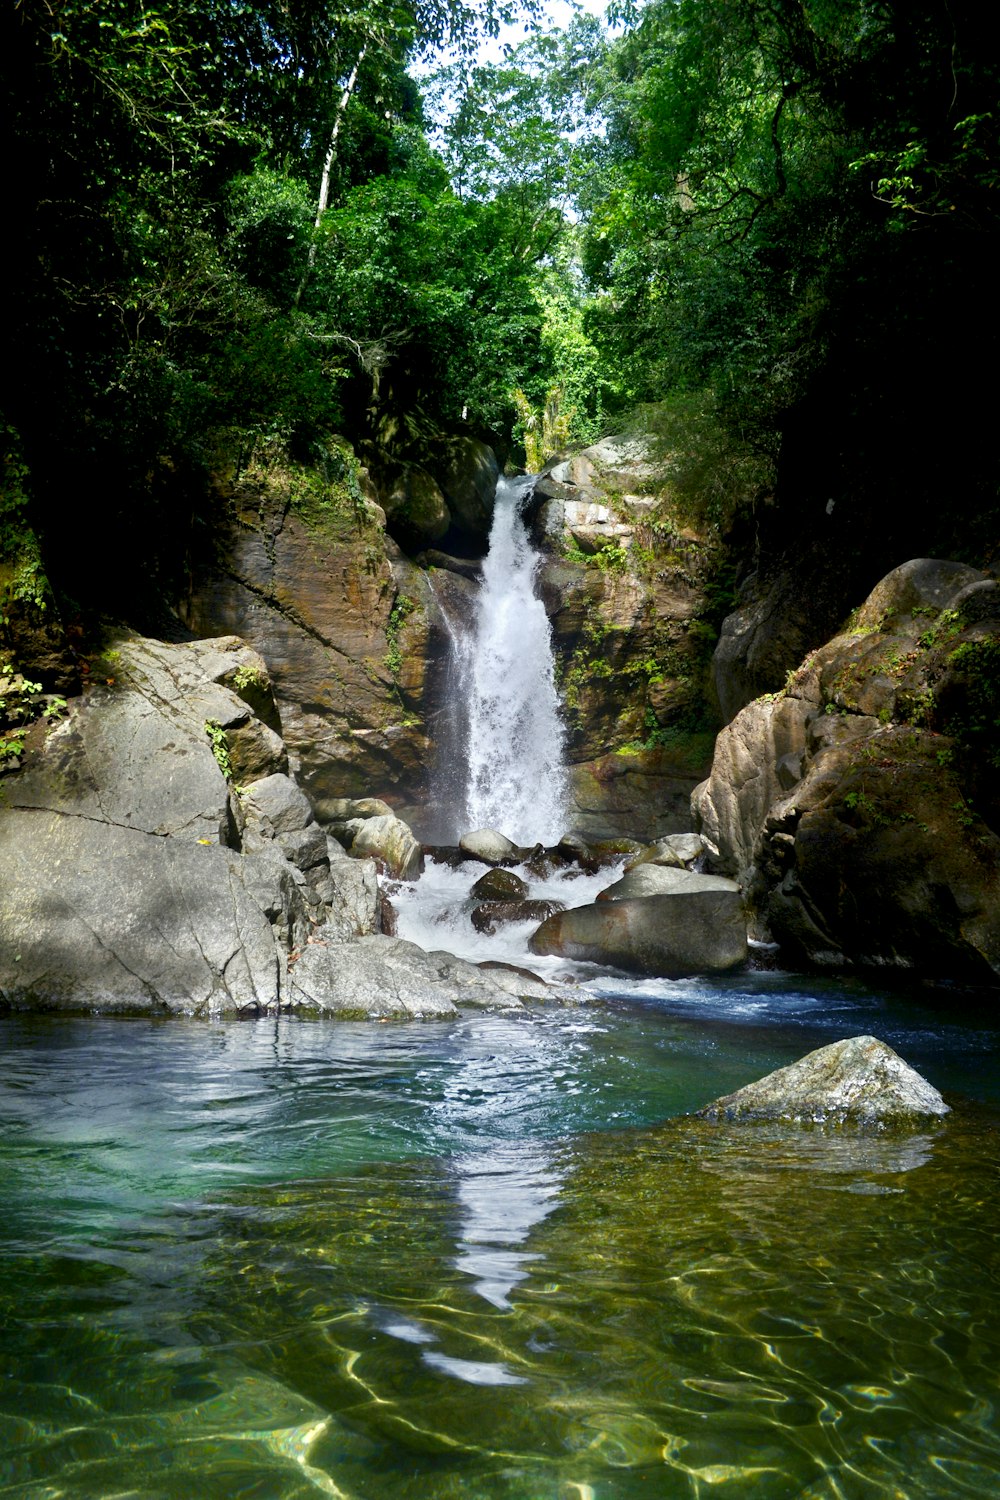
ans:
(857, 1082)
(696, 930)
(123, 885)
(858, 806)
(303, 570)
(138, 876)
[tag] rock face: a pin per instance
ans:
(859, 1081)
(858, 807)
(304, 571)
(135, 877)
(695, 932)
(627, 589)
(308, 569)
(122, 887)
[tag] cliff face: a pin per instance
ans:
(308, 570)
(858, 806)
(304, 570)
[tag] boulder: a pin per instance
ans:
(858, 806)
(697, 932)
(500, 885)
(489, 846)
(388, 840)
(383, 978)
(677, 850)
(467, 471)
(134, 878)
(415, 509)
(493, 914)
(664, 880)
(101, 917)
(859, 1081)
(281, 802)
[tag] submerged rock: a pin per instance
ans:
(858, 1081)
(696, 932)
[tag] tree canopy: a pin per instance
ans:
(774, 222)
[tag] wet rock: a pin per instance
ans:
(494, 914)
(391, 842)
(697, 932)
(526, 985)
(386, 978)
(663, 880)
(859, 1081)
(677, 850)
(500, 885)
(489, 846)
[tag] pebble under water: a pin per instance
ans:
(494, 1258)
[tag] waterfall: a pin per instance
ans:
(504, 681)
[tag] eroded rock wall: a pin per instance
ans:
(859, 805)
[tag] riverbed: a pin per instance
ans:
(495, 1258)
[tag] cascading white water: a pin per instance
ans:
(513, 734)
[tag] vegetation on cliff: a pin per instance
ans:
(235, 226)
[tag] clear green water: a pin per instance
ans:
(493, 1259)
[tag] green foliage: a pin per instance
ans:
(977, 724)
(22, 704)
(219, 742)
(743, 221)
(401, 610)
(247, 678)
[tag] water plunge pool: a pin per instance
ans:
(494, 1258)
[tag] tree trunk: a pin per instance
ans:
(328, 161)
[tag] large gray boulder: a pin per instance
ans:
(698, 932)
(387, 839)
(858, 1081)
(99, 917)
(384, 978)
(134, 876)
(489, 846)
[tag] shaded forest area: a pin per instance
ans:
(767, 230)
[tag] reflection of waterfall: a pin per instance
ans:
(512, 732)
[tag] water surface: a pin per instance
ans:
(494, 1258)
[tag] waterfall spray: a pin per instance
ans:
(513, 752)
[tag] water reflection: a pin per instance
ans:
(504, 1192)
